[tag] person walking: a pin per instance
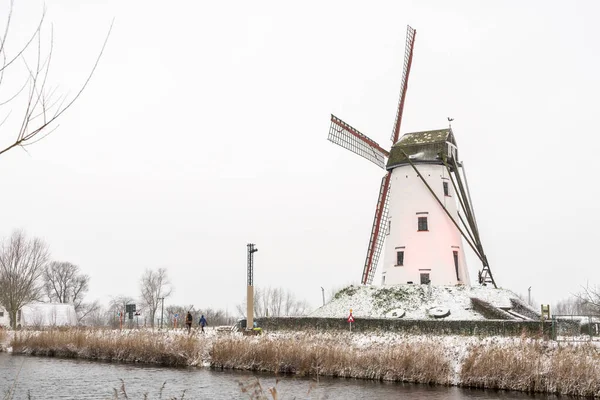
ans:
(202, 322)
(188, 321)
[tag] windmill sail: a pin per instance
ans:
(351, 139)
(377, 231)
(408, 54)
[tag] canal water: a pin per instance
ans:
(52, 378)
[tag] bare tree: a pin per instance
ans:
(64, 283)
(154, 286)
(22, 263)
(41, 106)
(589, 299)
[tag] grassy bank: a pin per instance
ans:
(524, 364)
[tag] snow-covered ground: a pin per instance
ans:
(416, 301)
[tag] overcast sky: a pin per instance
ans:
(205, 128)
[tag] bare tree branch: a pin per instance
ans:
(41, 111)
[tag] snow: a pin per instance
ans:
(415, 300)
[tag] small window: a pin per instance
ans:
(399, 258)
(1, 313)
(456, 264)
(422, 224)
(446, 191)
(425, 279)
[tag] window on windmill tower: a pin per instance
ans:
(399, 258)
(455, 253)
(446, 189)
(422, 224)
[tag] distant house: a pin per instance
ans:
(4, 319)
(42, 315)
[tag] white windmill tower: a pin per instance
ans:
(424, 206)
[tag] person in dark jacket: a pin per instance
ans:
(188, 321)
(202, 322)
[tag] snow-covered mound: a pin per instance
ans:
(425, 302)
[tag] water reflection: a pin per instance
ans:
(51, 378)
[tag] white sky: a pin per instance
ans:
(205, 127)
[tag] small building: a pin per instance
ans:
(42, 315)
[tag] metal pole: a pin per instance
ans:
(250, 287)
(323, 292)
(529, 295)
(162, 309)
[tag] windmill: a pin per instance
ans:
(418, 203)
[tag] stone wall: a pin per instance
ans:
(436, 327)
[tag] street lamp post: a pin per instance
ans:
(323, 293)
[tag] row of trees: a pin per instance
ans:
(275, 302)
(27, 275)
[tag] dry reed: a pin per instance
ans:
(3, 337)
(528, 365)
(408, 362)
(534, 366)
(128, 346)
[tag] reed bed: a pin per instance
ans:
(407, 362)
(534, 366)
(523, 364)
(3, 338)
(126, 346)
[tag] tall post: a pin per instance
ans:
(162, 309)
(250, 288)
(323, 293)
(529, 295)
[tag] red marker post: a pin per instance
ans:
(350, 320)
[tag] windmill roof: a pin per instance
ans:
(424, 137)
(422, 146)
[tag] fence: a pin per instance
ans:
(575, 328)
